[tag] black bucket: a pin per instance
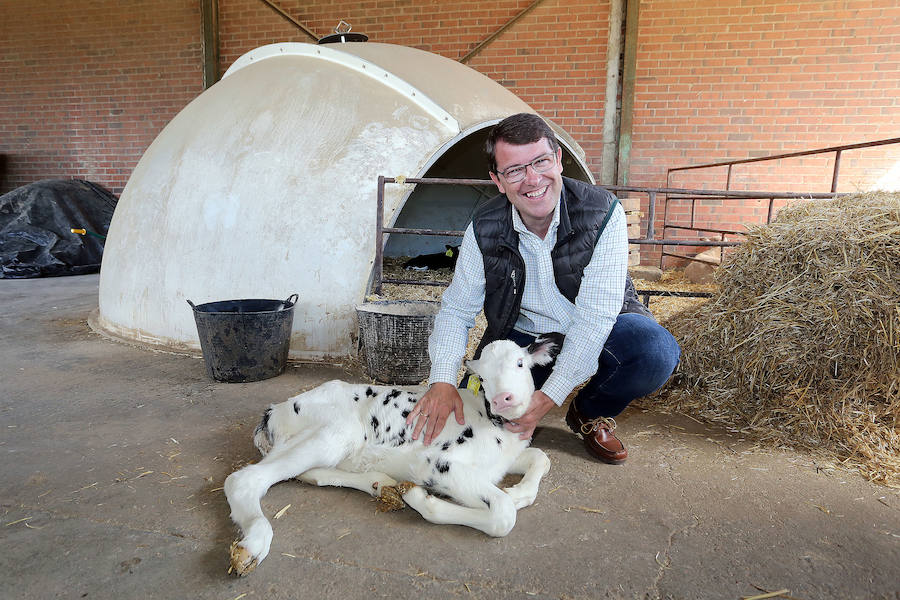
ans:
(245, 340)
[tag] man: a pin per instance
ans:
(549, 254)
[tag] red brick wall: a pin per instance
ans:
(87, 85)
(92, 83)
(736, 79)
(716, 80)
(554, 57)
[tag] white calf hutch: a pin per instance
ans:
(265, 185)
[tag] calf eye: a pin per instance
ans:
(520, 363)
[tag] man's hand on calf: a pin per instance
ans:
(432, 411)
(525, 425)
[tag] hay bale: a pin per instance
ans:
(801, 346)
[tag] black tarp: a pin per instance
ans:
(35, 228)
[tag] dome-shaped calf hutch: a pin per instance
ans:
(265, 185)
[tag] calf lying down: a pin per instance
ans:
(355, 435)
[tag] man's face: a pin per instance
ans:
(536, 195)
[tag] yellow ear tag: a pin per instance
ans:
(449, 252)
(474, 384)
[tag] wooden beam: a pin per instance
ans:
(297, 23)
(632, 10)
(610, 105)
(481, 45)
(209, 13)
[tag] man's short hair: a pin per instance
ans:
(518, 129)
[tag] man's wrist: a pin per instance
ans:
(545, 402)
(554, 393)
(442, 376)
(439, 384)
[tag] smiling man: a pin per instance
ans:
(548, 254)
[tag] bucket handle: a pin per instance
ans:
(192, 305)
(292, 299)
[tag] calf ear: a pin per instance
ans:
(545, 348)
(472, 365)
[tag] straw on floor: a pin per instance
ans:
(801, 345)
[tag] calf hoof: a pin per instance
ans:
(242, 561)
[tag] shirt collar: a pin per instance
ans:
(520, 228)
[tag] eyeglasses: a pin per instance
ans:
(539, 165)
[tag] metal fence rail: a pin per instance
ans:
(838, 150)
(648, 239)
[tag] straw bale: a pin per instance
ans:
(801, 345)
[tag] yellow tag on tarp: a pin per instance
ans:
(474, 384)
(449, 252)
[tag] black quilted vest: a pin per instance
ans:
(584, 211)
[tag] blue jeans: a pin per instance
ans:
(638, 358)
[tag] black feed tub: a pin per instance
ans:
(245, 340)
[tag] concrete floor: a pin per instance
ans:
(114, 458)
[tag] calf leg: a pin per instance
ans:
(371, 482)
(497, 518)
(244, 489)
(533, 464)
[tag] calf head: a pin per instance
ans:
(505, 371)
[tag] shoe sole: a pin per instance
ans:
(576, 429)
(603, 459)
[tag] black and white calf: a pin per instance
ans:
(355, 435)
(432, 262)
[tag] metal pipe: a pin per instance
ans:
(647, 242)
(450, 233)
(675, 294)
(789, 155)
(664, 225)
(722, 193)
(710, 230)
(694, 258)
(645, 294)
(414, 282)
(837, 168)
(379, 236)
(651, 215)
(439, 181)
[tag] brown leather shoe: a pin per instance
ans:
(599, 439)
